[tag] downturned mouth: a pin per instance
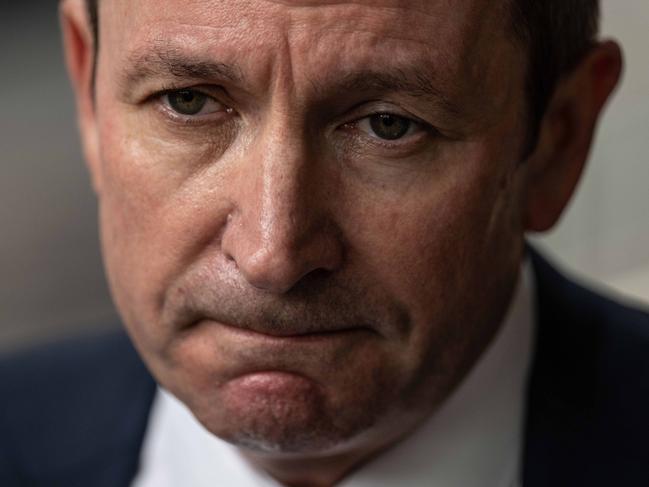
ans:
(290, 333)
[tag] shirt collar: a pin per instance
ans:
(473, 440)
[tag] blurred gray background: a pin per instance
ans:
(52, 282)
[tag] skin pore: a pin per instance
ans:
(312, 213)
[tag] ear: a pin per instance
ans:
(78, 45)
(566, 134)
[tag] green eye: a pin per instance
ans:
(187, 102)
(388, 126)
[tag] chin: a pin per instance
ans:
(292, 440)
(280, 414)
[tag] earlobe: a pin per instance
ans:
(79, 56)
(566, 134)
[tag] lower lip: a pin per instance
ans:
(287, 396)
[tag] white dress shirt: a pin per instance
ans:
(473, 440)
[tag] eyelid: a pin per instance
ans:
(370, 108)
(417, 134)
(208, 99)
(158, 98)
(414, 128)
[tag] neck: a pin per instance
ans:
(301, 471)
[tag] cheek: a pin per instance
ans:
(159, 207)
(419, 241)
(437, 251)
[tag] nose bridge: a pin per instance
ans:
(283, 212)
(280, 232)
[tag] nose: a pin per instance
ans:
(280, 229)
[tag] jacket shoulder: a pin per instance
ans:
(607, 337)
(72, 406)
(589, 388)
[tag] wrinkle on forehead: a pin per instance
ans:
(418, 7)
(455, 38)
(401, 18)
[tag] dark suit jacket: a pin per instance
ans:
(75, 415)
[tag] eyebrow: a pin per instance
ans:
(170, 62)
(165, 61)
(413, 82)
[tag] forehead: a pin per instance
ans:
(408, 14)
(462, 44)
(441, 28)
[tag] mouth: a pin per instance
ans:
(285, 334)
(226, 352)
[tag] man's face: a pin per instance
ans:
(310, 211)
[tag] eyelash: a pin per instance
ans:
(425, 130)
(159, 99)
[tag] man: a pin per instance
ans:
(313, 217)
